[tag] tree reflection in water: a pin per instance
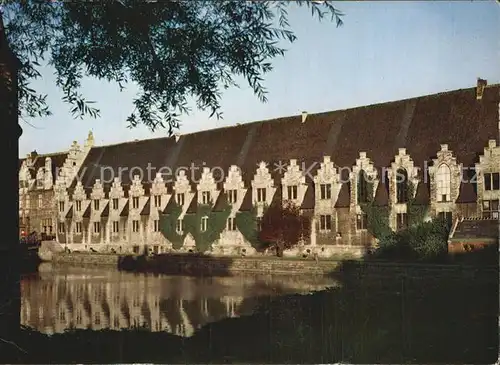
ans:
(104, 298)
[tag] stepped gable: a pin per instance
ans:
(58, 160)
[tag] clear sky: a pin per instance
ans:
(385, 51)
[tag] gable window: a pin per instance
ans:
(363, 194)
(115, 203)
(261, 195)
(78, 205)
(361, 221)
(205, 197)
(135, 202)
(231, 224)
(401, 221)
(446, 217)
(401, 186)
(156, 225)
(443, 183)
(492, 181)
(60, 227)
(325, 191)
(292, 192)
(179, 226)
(325, 222)
(78, 227)
(232, 196)
(491, 209)
(96, 204)
(157, 201)
(135, 226)
(40, 201)
(204, 224)
(180, 199)
(97, 227)
(115, 227)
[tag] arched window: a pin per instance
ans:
(363, 195)
(443, 183)
(402, 186)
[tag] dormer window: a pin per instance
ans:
(325, 191)
(261, 195)
(115, 203)
(180, 199)
(205, 197)
(231, 224)
(78, 205)
(232, 196)
(401, 186)
(96, 204)
(363, 193)
(157, 201)
(492, 181)
(443, 183)
(325, 223)
(292, 192)
(97, 227)
(135, 202)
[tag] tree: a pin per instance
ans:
(172, 50)
(283, 226)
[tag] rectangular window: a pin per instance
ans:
(361, 221)
(447, 218)
(180, 199)
(78, 227)
(97, 227)
(156, 225)
(325, 222)
(491, 209)
(78, 205)
(60, 227)
(157, 201)
(204, 224)
(495, 181)
(115, 227)
(325, 191)
(259, 224)
(231, 224)
(96, 204)
(179, 226)
(292, 192)
(40, 201)
(487, 181)
(135, 226)
(401, 221)
(261, 195)
(115, 203)
(205, 197)
(135, 202)
(232, 196)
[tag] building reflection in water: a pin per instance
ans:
(63, 298)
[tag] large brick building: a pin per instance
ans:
(445, 145)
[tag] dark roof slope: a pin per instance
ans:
(422, 196)
(381, 198)
(419, 124)
(477, 228)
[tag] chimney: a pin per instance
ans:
(33, 154)
(481, 84)
(304, 116)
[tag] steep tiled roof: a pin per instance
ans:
(221, 202)
(105, 211)
(381, 195)
(246, 204)
(344, 198)
(86, 214)
(193, 206)
(170, 205)
(419, 124)
(422, 195)
(467, 193)
(147, 207)
(477, 228)
(124, 212)
(39, 161)
(70, 213)
(308, 202)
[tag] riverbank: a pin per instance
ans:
(193, 264)
(381, 313)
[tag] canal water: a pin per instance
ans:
(60, 298)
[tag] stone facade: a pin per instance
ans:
(255, 164)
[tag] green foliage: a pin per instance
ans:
(168, 224)
(205, 44)
(416, 213)
(377, 220)
(424, 241)
(247, 224)
(216, 224)
(192, 224)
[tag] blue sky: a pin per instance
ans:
(385, 51)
